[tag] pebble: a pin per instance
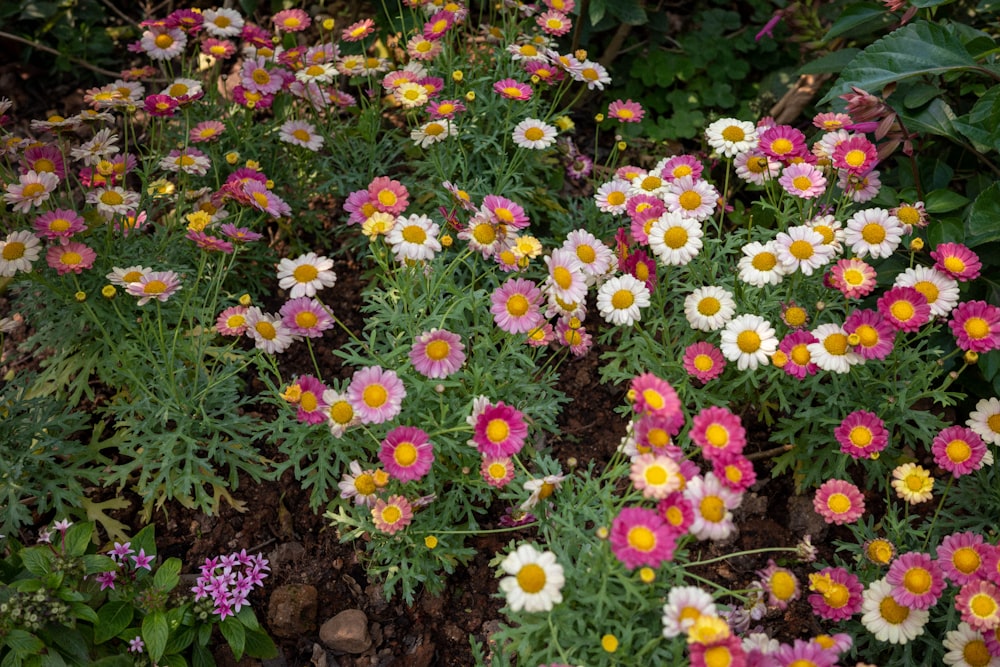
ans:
(347, 632)
(291, 611)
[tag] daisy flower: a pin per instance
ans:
(269, 333)
(873, 232)
(437, 353)
(838, 593)
(759, 265)
(712, 502)
(497, 471)
(392, 515)
(18, 251)
(189, 161)
(232, 321)
(513, 90)
(439, 24)
(652, 395)
(735, 471)
(499, 430)
(541, 489)
(839, 502)
(612, 197)
(358, 484)
(44, 159)
(783, 142)
(620, 300)
(596, 259)
(554, 23)
(905, 308)
(162, 43)
(159, 285)
(685, 605)
(71, 257)
(291, 20)
(258, 196)
(419, 47)
(306, 274)
(648, 184)
(832, 350)
(639, 536)
(959, 450)
(414, 238)
(208, 130)
(709, 308)
(718, 432)
(505, 212)
(801, 653)
(976, 326)
(677, 512)
(516, 306)
(802, 248)
(340, 415)
(755, 167)
(652, 433)
(411, 95)
(221, 22)
(780, 584)
(626, 112)
(575, 337)
(566, 280)
(967, 648)
(871, 336)
(115, 200)
(856, 155)
(300, 133)
(679, 166)
(691, 199)
(803, 180)
(978, 603)
(985, 420)
(912, 483)
(376, 394)
(674, 239)
(358, 31)
(798, 358)
(433, 131)
(308, 394)
(861, 434)
(656, 476)
(306, 316)
(730, 136)
(887, 619)
(221, 49)
(445, 109)
(32, 189)
(535, 580)
(160, 105)
(703, 361)
(830, 229)
(916, 580)
(534, 134)
(406, 453)
(131, 274)
(591, 73)
(748, 340)
(957, 261)
(961, 557)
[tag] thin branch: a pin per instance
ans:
(120, 13)
(49, 49)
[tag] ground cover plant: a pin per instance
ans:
(171, 251)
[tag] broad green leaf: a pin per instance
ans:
(23, 642)
(235, 635)
(945, 230)
(628, 11)
(37, 560)
(983, 223)
(862, 15)
(52, 659)
(173, 660)
(96, 563)
(113, 617)
(145, 539)
(982, 124)
(168, 574)
(937, 118)
(832, 62)
(260, 645)
(78, 537)
(944, 201)
(917, 49)
(155, 633)
(597, 10)
(84, 612)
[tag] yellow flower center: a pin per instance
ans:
(782, 146)
(867, 335)
(689, 200)
(733, 134)
(305, 319)
(622, 299)
(266, 330)
(717, 435)
(73, 258)
(917, 580)
(414, 234)
(342, 413)
(795, 316)
(958, 451)
(364, 484)
(517, 305)
(782, 585)
(112, 198)
(836, 344)
(703, 363)
(748, 341)
(497, 430)
(764, 261)
(391, 514)
(873, 233)
(983, 606)
(434, 129)
(562, 277)
(13, 250)
(712, 509)
(709, 306)
(260, 76)
(641, 538)
(892, 611)
(291, 22)
(484, 233)
(308, 401)
(860, 436)
(653, 398)
(235, 321)
(405, 454)
(534, 134)
(880, 551)
(902, 310)
(657, 437)
(954, 264)
(675, 237)
(838, 503)
(800, 354)
(801, 183)
(616, 198)
(801, 250)
(651, 183)
(374, 395)
(976, 328)
(855, 157)
(976, 654)
(586, 253)
(966, 560)
(163, 41)
(914, 482)
(718, 656)
(656, 475)
(531, 578)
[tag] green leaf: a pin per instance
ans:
(832, 62)
(37, 560)
(260, 645)
(97, 563)
(628, 11)
(937, 118)
(78, 538)
(235, 635)
(200, 657)
(113, 617)
(917, 49)
(866, 15)
(145, 539)
(597, 10)
(982, 225)
(168, 575)
(52, 659)
(84, 612)
(155, 633)
(944, 201)
(982, 124)
(945, 230)
(23, 642)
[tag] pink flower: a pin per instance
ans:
(626, 112)
(961, 557)
(263, 199)
(653, 433)
(497, 471)
(976, 326)
(734, 471)
(161, 105)
(876, 337)
(554, 23)
(232, 321)
(438, 25)
(780, 583)
(839, 502)
(838, 593)
(677, 513)
(978, 603)
(680, 166)
(291, 20)
(406, 453)
(504, 212)
(500, 430)
(358, 31)
(392, 515)
(437, 353)
(803, 180)
(799, 361)
(957, 261)
(312, 409)
(854, 277)
(639, 536)
(375, 394)
(388, 195)
(516, 306)
(72, 256)
(513, 90)
(783, 142)
(718, 431)
(158, 285)
(905, 308)
(861, 434)
(59, 224)
(857, 155)
(652, 395)
(306, 316)
(703, 361)
(959, 450)
(916, 580)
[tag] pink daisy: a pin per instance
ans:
(358, 31)
(857, 155)
(976, 326)
(780, 584)
(158, 285)
(640, 536)
(312, 408)
(505, 212)
(291, 20)
(654, 433)
(801, 653)
(445, 109)
(959, 450)
(497, 471)
(306, 316)
(803, 180)
(680, 166)
(59, 224)
(575, 338)
(262, 199)
(437, 353)
(783, 142)
(905, 308)
(875, 336)
(839, 502)
(642, 267)
(406, 453)
(70, 257)
(735, 471)
(854, 277)
(239, 234)
(861, 434)
(677, 512)
(961, 557)
(209, 130)
(916, 580)
(838, 593)
(655, 475)
(547, 73)
(978, 603)
(718, 432)
(47, 158)
(209, 243)
(554, 23)
(799, 361)
(957, 261)
(516, 306)
(221, 49)
(652, 395)
(626, 112)
(392, 515)
(500, 430)
(32, 189)
(438, 25)
(703, 361)
(388, 195)
(232, 321)
(375, 394)
(513, 90)
(160, 105)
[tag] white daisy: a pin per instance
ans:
(684, 605)
(269, 333)
(433, 132)
(182, 87)
(709, 308)
(690, 198)
(967, 648)
(886, 619)
(612, 197)
(300, 133)
(749, 341)
(411, 95)
(305, 275)
(566, 280)
(729, 136)
(831, 230)
(113, 200)
(596, 259)
(535, 582)
(534, 134)
(802, 248)
(940, 289)
(985, 420)
(833, 352)
(759, 265)
(712, 502)
(414, 238)
(648, 184)
(222, 22)
(317, 73)
(874, 232)
(620, 299)
(674, 239)
(18, 251)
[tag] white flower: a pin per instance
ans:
(940, 289)
(222, 22)
(534, 134)
(433, 132)
(691, 198)
(874, 232)
(832, 352)
(648, 184)
(612, 197)
(566, 280)
(684, 605)
(967, 648)
(831, 231)
(729, 136)
(985, 420)
(300, 133)
(268, 331)
(712, 502)
(596, 259)
(675, 240)
(759, 265)
(305, 275)
(620, 298)
(535, 582)
(749, 341)
(802, 248)
(709, 308)
(414, 237)
(887, 620)
(18, 251)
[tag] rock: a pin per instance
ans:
(347, 632)
(224, 658)
(291, 611)
(803, 519)
(286, 552)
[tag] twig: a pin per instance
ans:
(120, 13)
(768, 453)
(49, 49)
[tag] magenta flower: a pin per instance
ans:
(312, 407)
(957, 261)
(388, 195)
(161, 105)
(959, 450)
(406, 453)
(504, 212)
(905, 308)
(962, 556)
(703, 361)
(876, 337)
(392, 515)
(375, 394)
(839, 502)
(513, 90)
(306, 316)
(516, 306)
(59, 224)
(653, 395)
(916, 580)
(72, 257)
(437, 353)
(799, 362)
(838, 593)
(640, 536)
(978, 603)
(803, 180)
(861, 434)
(718, 432)
(856, 154)
(783, 142)
(734, 471)
(626, 112)
(976, 326)
(500, 430)
(677, 513)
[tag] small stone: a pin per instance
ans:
(291, 611)
(803, 519)
(347, 632)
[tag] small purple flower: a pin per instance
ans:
(44, 537)
(121, 551)
(142, 560)
(107, 579)
(136, 645)
(63, 526)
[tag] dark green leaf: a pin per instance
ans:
(78, 537)
(72, 644)
(23, 642)
(944, 201)
(935, 119)
(945, 230)
(597, 10)
(920, 94)
(627, 11)
(862, 15)
(97, 563)
(983, 223)
(145, 539)
(832, 62)
(200, 657)
(168, 574)
(259, 645)
(37, 560)
(235, 635)
(113, 617)
(84, 612)
(155, 633)
(982, 124)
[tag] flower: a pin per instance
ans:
(803, 180)
(504, 212)
(159, 285)
(749, 341)
(596, 259)
(18, 251)
(591, 73)
(916, 580)
(620, 299)
(780, 584)
(499, 430)
(861, 433)
(978, 603)
(879, 551)
(639, 536)
(306, 274)
(957, 261)
(497, 471)
(535, 579)
(657, 476)
(703, 361)
(961, 557)
(387, 195)
(554, 23)
(755, 167)
(759, 265)
(905, 308)
(611, 196)
(163, 43)
(414, 238)
(437, 353)
(626, 112)
(32, 189)
(220, 22)
(718, 432)
(912, 483)
(967, 648)
(392, 515)
(309, 394)
(516, 306)
(300, 133)
(802, 248)
(832, 350)
(839, 502)
(887, 619)
(513, 90)
(837, 593)
(675, 240)
(541, 489)
(783, 142)
(534, 134)
(358, 31)
(433, 131)
(709, 308)
(730, 136)
(985, 420)
(856, 154)
(376, 394)
(875, 336)
(232, 321)
(340, 413)
(406, 453)
(566, 280)
(685, 605)
(801, 653)
(712, 502)
(959, 450)
(257, 195)
(873, 232)
(695, 200)
(976, 326)
(735, 471)
(291, 20)
(854, 277)
(306, 316)
(268, 331)
(798, 358)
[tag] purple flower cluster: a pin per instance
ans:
(229, 580)
(121, 554)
